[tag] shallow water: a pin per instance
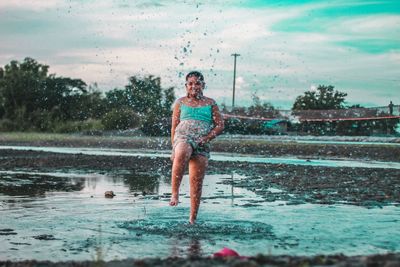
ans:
(214, 156)
(339, 140)
(64, 215)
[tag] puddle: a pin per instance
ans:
(369, 143)
(335, 140)
(231, 157)
(65, 216)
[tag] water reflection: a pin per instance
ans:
(145, 226)
(185, 248)
(194, 248)
(37, 184)
(34, 185)
(142, 183)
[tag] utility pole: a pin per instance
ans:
(235, 55)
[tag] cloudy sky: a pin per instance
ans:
(286, 47)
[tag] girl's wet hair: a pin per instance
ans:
(195, 74)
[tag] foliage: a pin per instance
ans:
(7, 125)
(149, 100)
(234, 126)
(156, 125)
(245, 126)
(324, 98)
(120, 119)
(32, 99)
(19, 84)
(367, 127)
(351, 127)
(89, 125)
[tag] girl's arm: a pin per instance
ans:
(218, 125)
(175, 120)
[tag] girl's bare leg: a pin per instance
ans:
(182, 154)
(197, 169)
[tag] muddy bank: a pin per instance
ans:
(388, 260)
(299, 184)
(312, 151)
(324, 185)
(264, 147)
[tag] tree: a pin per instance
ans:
(324, 98)
(120, 119)
(31, 98)
(259, 109)
(168, 98)
(148, 99)
(242, 125)
(2, 99)
(20, 84)
(117, 98)
(152, 102)
(65, 97)
(145, 95)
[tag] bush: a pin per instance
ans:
(78, 126)
(19, 121)
(155, 125)
(7, 125)
(41, 120)
(234, 126)
(120, 119)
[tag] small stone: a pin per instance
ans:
(44, 237)
(109, 194)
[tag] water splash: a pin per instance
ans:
(244, 230)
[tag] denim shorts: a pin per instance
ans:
(189, 131)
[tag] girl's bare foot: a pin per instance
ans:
(174, 200)
(192, 221)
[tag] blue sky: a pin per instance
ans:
(286, 47)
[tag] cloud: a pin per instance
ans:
(31, 4)
(108, 41)
(371, 26)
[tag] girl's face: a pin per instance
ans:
(194, 87)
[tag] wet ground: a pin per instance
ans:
(65, 216)
(365, 148)
(303, 183)
(53, 208)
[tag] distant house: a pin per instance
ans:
(276, 126)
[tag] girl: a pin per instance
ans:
(196, 120)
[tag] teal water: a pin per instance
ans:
(62, 215)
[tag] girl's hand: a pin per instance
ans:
(202, 140)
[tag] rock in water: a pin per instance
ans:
(109, 194)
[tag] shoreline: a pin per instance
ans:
(269, 146)
(386, 260)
